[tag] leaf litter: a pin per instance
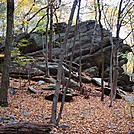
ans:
(81, 116)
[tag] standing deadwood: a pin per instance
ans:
(8, 43)
(102, 53)
(60, 68)
(70, 64)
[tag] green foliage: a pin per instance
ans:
(23, 42)
(2, 17)
(126, 55)
(123, 55)
(130, 74)
(42, 12)
(23, 60)
(40, 29)
(2, 38)
(15, 52)
(20, 59)
(2, 10)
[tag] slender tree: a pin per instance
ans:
(70, 65)
(123, 10)
(51, 29)
(115, 56)
(8, 44)
(101, 43)
(60, 68)
(114, 18)
(47, 68)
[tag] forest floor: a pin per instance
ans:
(82, 116)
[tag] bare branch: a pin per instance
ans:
(127, 35)
(29, 10)
(125, 14)
(37, 12)
(38, 23)
(118, 20)
(125, 7)
(19, 4)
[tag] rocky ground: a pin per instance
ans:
(83, 115)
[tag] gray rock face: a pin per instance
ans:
(92, 71)
(89, 38)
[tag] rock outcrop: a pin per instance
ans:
(88, 38)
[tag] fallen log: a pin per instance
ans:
(25, 128)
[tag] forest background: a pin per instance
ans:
(39, 16)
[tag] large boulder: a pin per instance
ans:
(88, 38)
(68, 98)
(32, 42)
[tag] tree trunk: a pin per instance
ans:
(111, 70)
(46, 55)
(60, 68)
(8, 43)
(102, 53)
(51, 29)
(115, 56)
(70, 65)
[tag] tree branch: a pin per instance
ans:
(37, 23)
(29, 10)
(37, 12)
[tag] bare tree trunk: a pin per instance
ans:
(60, 69)
(46, 55)
(80, 68)
(8, 43)
(70, 65)
(115, 57)
(51, 29)
(102, 53)
(111, 70)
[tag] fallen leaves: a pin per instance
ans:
(81, 116)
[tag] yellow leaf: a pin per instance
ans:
(2, 55)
